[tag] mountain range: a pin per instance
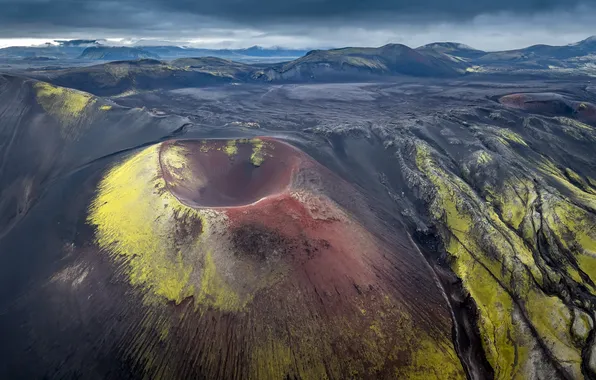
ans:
(125, 69)
(96, 50)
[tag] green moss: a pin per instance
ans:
(552, 321)
(573, 226)
(494, 265)
(494, 304)
(484, 158)
(573, 123)
(105, 107)
(430, 361)
(511, 136)
(574, 274)
(272, 360)
(587, 197)
(576, 179)
(205, 146)
(127, 216)
(258, 151)
(136, 222)
(231, 149)
(65, 104)
(514, 201)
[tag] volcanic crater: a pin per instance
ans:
(551, 104)
(227, 173)
(271, 245)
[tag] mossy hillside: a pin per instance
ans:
(68, 106)
(214, 66)
(483, 157)
(573, 229)
(511, 136)
(499, 271)
(514, 201)
(137, 220)
(585, 195)
(566, 121)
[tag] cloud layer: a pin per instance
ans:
(487, 24)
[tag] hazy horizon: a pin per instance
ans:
(141, 42)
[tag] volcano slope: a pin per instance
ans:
(396, 230)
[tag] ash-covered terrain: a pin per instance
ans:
(437, 227)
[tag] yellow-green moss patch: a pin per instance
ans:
(495, 266)
(258, 151)
(65, 104)
(231, 149)
(158, 240)
(509, 135)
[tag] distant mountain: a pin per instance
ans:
(533, 53)
(115, 78)
(192, 67)
(218, 67)
(116, 53)
(543, 56)
(435, 59)
(388, 60)
(544, 60)
(321, 65)
(453, 49)
(99, 50)
(587, 45)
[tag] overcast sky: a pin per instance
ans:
(484, 24)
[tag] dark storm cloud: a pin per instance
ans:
(248, 10)
(490, 24)
(157, 14)
(76, 14)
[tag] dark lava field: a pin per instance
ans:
(413, 228)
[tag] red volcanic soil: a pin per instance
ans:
(326, 250)
(514, 100)
(586, 112)
(339, 278)
(551, 104)
(273, 216)
(544, 103)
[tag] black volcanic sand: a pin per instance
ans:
(418, 167)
